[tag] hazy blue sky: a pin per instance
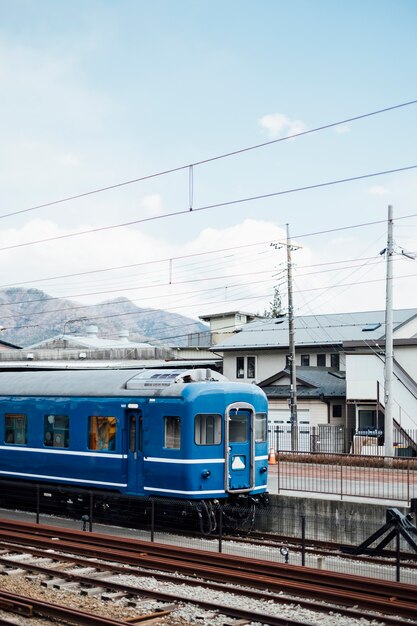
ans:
(97, 92)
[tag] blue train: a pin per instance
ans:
(168, 433)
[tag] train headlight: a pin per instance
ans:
(206, 473)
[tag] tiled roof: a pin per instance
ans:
(312, 382)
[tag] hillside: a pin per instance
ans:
(30, 315)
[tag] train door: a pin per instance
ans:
(240, 447)
(134, 450)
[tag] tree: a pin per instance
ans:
(276, 306)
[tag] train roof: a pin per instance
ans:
(143, 382)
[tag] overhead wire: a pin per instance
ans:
(152, 218)
(189, 166)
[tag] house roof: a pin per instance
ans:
(312, 382)
(319, 330)
(207, 318)
(90, 341)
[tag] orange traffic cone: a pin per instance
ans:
(271, 457)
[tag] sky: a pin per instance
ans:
(99, 94)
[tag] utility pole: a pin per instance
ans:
(291, 342)
(389, 345)
(293, 388)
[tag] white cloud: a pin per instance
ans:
(152, 204)
(377, 190)
(278, 124)
(218, 270)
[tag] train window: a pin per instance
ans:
(15, 428)
(172, 432)
(56, 431)
(238, 426)
(260, 427)
(207, 429)
(102, 433)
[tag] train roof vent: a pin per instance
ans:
(157, 379)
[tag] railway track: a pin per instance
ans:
(31, 607)
(325, 548)
(396, 601)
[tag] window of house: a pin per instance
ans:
(250, 367)
(246, 366)
(305, 360)
(337, 410)
(207, 429)
(238, 426)
(240, 367)
(321, 360)
(260, 427)
(56, 431)
(102, 433)
(172, 432)
(367, 419)
(335, 360)
(15, 428)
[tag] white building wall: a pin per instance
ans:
(317, 411)
(364, 372)
(406, 331)
(406, 356)
(267, 364)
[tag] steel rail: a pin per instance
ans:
(95, 542)
(396, 598)
(47, 609)
(327, 548)
(274, 584)
(174, 578)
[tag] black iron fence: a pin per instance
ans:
(327, 438)
(275, 532)
(346, 476)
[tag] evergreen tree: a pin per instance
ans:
(276, 306)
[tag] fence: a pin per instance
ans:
(339, 439)
(345, 475)
(219, 528)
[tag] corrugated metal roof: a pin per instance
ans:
(91, 341)
(315, 330)
(98, 383)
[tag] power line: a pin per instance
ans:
(219, 205)
(210, 159)
(152, 310)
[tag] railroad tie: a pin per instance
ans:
(116, 595)
(151, 618)
(18, 571)
(53, 582)
(92, 591)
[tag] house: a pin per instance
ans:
(340, 372)
(89, 350)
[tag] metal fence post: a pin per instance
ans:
(220, 528)
(341, 479)
(90, 521)
(408, 482)
(278, 472)
(397, 557)
(152, 520)
(303, 540)
(38, 503)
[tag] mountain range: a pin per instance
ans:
(28, 316)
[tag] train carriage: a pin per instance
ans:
(166, 433)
